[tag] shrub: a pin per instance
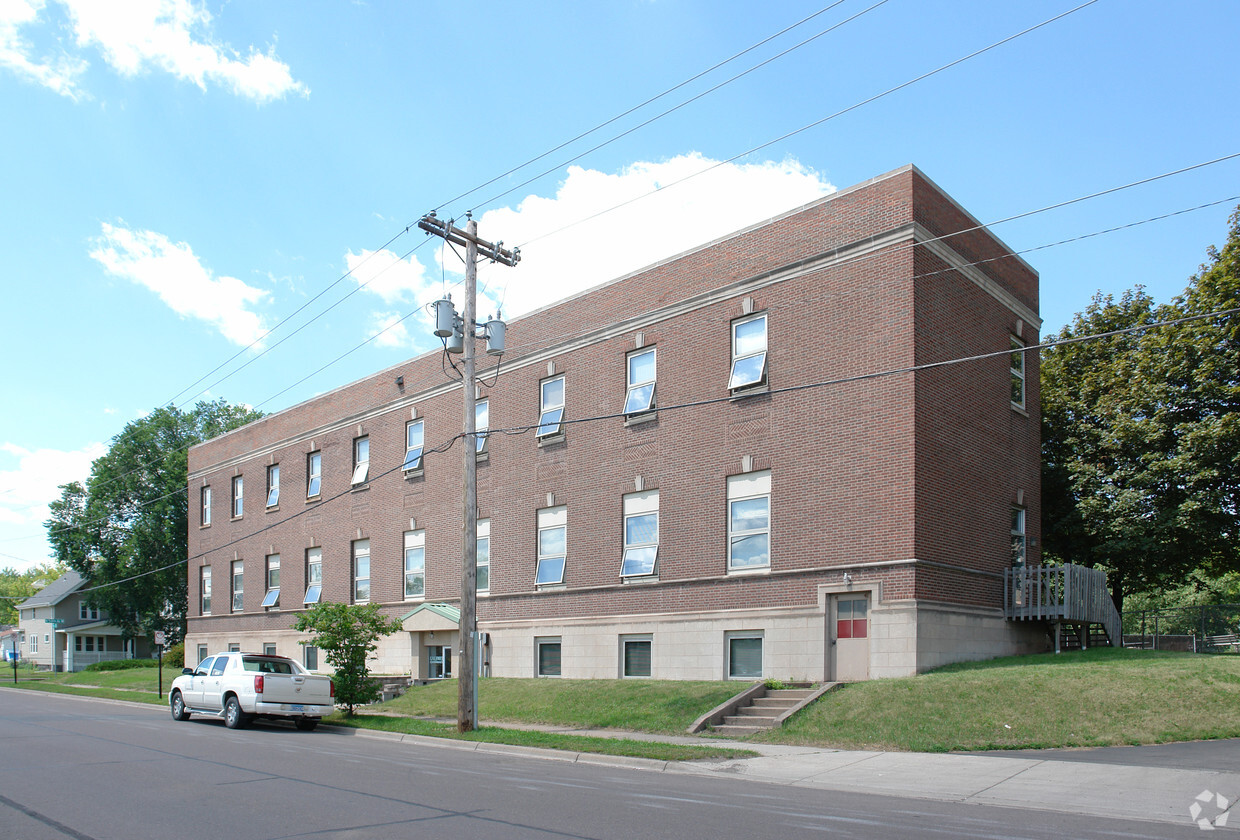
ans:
(174, 657)
(121, 665)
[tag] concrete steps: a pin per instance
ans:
(764, 711)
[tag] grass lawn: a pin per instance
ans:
(1099, 697)
(1089, 698)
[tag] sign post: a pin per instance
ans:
(160, 638)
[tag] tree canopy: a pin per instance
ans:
(1141, 434)
(126, 530)
(347, 634)
(16, 587)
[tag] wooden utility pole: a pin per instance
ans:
(467, 635)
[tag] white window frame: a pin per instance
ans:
(636, 399)
(361, 460)
(739, 635)
(273, 485)
(1019, 541)
(550, 407)
(551, 520)
(415, 554)
(87, 613)
(238, 586)
(1016, 365)
(34, 642)
(483, 556)
(415, 441)
(314, 474)
(238, 496)
(205, 508)
(272, 599)
(639, 638)
(547, 641)
(482, 425)
(748, 487)
(641, 555)
(361, 556)
(314, 587)
(204, 590)
(740, 355)
(269, 649)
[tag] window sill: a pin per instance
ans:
(545, 587)
(551, 440)
(757, 570)
(1020, 409)
(358, 488)
(413, 474)
(638, 580)
(749, 391)
(482, 457)
(273, 509)
(202, 527)
(236, 518)
(313, 499)
(641, 419)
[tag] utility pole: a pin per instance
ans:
(463, 332)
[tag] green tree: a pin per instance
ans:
(126, 530)
(347, 634)
(16, 587)
(1141, 435)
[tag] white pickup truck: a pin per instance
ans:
(240, 687)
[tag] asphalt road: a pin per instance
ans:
(89, 770)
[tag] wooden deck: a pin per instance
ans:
(1067, 594)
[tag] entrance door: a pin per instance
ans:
(851, 636)
(438, 662)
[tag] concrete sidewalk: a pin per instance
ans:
(1080, 786)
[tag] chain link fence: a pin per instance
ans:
(1205, 629)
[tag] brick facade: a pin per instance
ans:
(899, 486)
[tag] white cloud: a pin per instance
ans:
(385, 274)
(174, 272)
(392, 331)
(29, 481)
(174, 36)
(673, 215)
(59, 72)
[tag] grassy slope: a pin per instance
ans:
(1090, 698)
(1081, 699)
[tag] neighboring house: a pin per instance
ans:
(10, 643)
(62, 632)
(774, 486)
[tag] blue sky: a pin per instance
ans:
(179, 177)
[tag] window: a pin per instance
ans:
(87, 613)
(269, 649)
(414, 438)
(547, 654)
(640, 394)
(238, 488)
(1018, 373)
(641, 534)
(314, 474)
(415, 564)
(748, 352)
(361, 460)
(851, 620)
(204, 589)
(238, 580)
(552, 525)
(551, 407)
(34, 642)
(744, 656)
(312, 657)
(205, 498)
(273, 485)
(1018, 536)
(202, 652)
(484, 556)
(361, 571)
(221, 662)
(272, 598)
(635, 651)
(749, 521)
(314, 575)
(482, 424)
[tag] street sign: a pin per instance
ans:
(160, 637)
(55, 622)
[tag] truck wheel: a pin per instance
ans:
(178, 707)
(307, 724)
(234, 718)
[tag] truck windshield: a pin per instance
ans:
(267, 665)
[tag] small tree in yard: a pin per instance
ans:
(347, 634)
